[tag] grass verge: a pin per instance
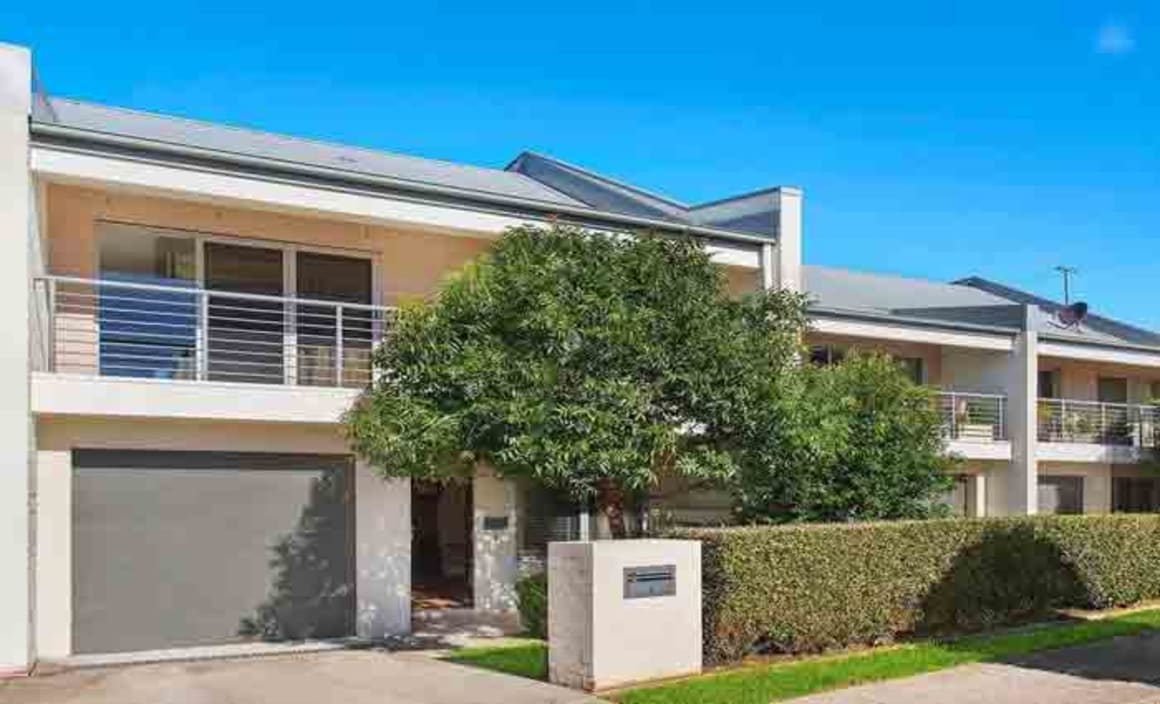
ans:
(763, 684)
(524, 659)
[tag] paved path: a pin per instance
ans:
(1119, 671)
(362, 677)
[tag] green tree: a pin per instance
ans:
(867, 444)
(590, 363)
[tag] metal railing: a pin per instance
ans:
(974, 417)
(1096, 423)
(114, 328)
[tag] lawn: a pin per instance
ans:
(523, 658)
(761, 684)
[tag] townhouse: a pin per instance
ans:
(191, 309)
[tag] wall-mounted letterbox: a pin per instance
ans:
(495, 522)
(654, 580)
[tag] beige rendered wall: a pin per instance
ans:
(1080, 380)
(382, 512)
(1097, 482)
(411, 263)
(930, 354)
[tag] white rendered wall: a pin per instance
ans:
(17, 644)
(789, 239)
(1022, 482)
(599, 639)
(382, 512)
(496, 563)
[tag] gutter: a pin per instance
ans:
(1113, 344)
(104, 143)
(910, 321)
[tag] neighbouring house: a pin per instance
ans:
(192, 308)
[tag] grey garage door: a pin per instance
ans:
(175, 549)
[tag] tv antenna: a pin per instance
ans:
(1067, 272)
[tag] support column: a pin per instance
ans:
(16, 642)
(977, 495)
(1023, 475)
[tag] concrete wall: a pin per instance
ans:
(16, 430)
(496, 557)
(382, 512)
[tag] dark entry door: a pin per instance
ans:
(176, 549)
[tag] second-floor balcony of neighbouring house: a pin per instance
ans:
(182, 332)
(1097, 423)
(973, 417)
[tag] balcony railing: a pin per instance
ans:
(1096, 423)
(140, 330)
(973, 417)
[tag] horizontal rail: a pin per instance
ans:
(1097, 422)
(105, 327)
(973, 416)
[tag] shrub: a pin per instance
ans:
(809, 588)
(532, 593)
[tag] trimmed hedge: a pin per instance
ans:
(808, 588)
(532, 594)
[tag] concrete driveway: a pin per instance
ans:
(1119, 671)
(350, 677)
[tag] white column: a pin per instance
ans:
(789, 239)
(16, 430)
(494, 536)
(382, 554)
(1023, 475)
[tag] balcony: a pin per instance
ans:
(971, 417)
(105, 328)
(1095, 423)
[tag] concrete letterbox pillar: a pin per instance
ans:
(622, 611)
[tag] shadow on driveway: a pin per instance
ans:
(1125, 659)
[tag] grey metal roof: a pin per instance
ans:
(967, 302)
(1095, 327)
(233, 140)
(883, 293)
(754, 213)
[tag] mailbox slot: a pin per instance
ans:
(650, 581)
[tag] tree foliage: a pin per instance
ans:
(590, 363)
(867, 444)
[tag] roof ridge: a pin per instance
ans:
(739, 196)
(601, 177)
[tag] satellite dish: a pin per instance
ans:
(1072, 315)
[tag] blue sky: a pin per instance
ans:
(932, 139)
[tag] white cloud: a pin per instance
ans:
(1114, 38)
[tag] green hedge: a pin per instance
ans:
(532, 593)
(808, 588)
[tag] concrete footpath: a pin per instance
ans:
(1119, 671)
(350, 677)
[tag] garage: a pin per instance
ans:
(178, 549)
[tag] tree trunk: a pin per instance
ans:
(610, 502)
